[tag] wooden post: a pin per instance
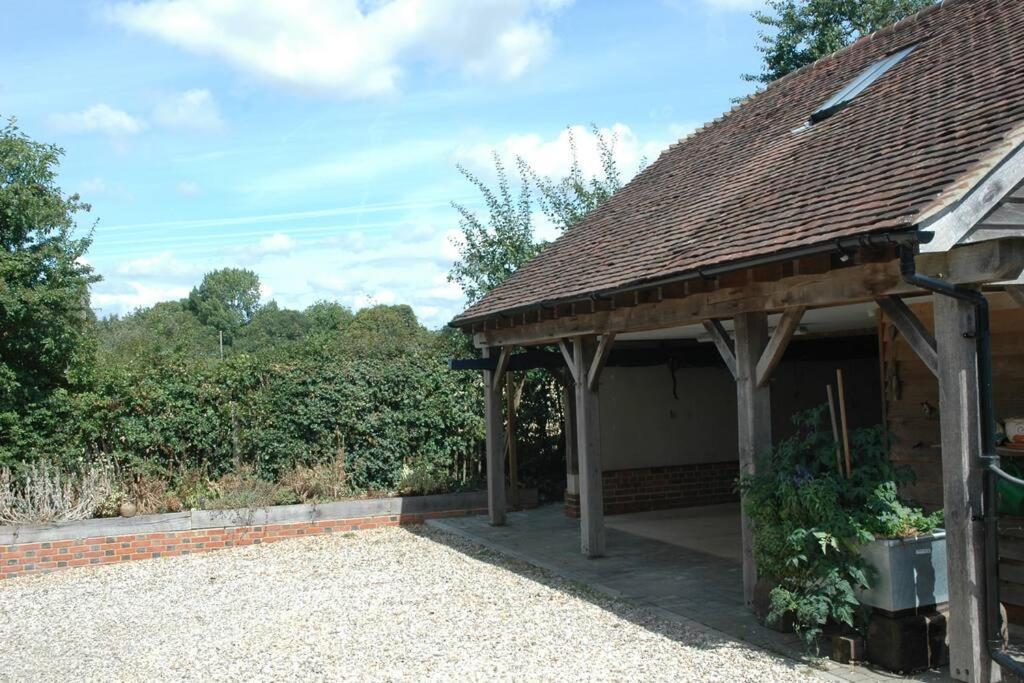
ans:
(572, 464)
(588, 435)
(962, 490)
(513, 466)
(495, 447)
(755, 420)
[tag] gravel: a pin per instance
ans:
(391, 604)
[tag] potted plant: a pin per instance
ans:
(813, 521)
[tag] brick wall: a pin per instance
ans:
(658, 488)
(22, 559)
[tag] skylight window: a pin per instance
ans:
(859, 84)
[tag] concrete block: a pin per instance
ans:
(848, 649)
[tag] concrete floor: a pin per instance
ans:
(683, 563)
(711, 529)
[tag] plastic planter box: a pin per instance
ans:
(911, 572)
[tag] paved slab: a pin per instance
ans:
(678, 581)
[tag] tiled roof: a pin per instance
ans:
(747, 185)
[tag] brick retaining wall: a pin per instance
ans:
(658, 488)
(42, 549)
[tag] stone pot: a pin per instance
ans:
(127, 509)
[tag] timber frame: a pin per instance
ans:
(585, 331)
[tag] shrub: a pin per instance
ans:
(810, 519)
(419, 480)
(47, 494)
(242, 488)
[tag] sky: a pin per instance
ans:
(315, 142)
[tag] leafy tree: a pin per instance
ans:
(383, 332)
(492, 249)
(566, 201)
(271, 326)
(328, 317)
(802, 31)
(226, 299)
(44, 283)
(168, 328)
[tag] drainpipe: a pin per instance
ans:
(990, 459)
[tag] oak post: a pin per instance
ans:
(754, 420)
(588, 435)
(962, 489)
(495, 447)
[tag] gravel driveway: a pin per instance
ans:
(391, 604)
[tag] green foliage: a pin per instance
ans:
(810, 519)
(226, 299)
(44, 287)
(803, 31)
(565, 202)
(492, 249)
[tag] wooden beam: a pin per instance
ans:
(563, 346)
(982, 262)
(962, 489)
(754, 422)
(501, 367)
(1016, 293)
(723, 343)
(910, 326)
(588, 443)
(600, 358)
(784, 331)
(495, 443)
(972, 264)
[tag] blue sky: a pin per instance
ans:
(315, 141)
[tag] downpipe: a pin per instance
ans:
(989, 458)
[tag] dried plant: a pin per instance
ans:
(318, 483)
(48, 494)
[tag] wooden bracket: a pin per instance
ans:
(784, 331)
(773, 352)
(604, 347)
(723, 342)
(909, 325)
(563, 346)
(498, 378)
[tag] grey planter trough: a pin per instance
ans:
(910, 572)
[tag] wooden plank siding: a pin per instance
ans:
(911, 409)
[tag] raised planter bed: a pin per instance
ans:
(911, 573)
(33, 549)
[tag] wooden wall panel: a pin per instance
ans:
(911, 401)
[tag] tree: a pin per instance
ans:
(383, 332)
(803, 31)
(492, 249)
(271, 327)
(44, 282)
(226, 299)
(328, 317)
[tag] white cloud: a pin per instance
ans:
(191, 110)
(189, 188)
(164, 264)
(136, 295)
(278, 243)
(99, 118)
(351, 47)
(551, 157)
